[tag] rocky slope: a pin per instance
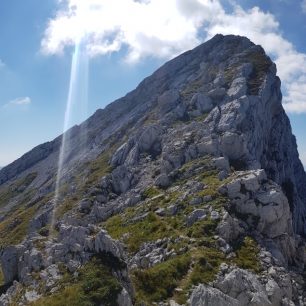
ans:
(188, 190)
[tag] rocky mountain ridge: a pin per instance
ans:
(188, 190)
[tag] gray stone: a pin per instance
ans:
(207, 296)
(229, 228)
(173, 209)
(243, 286)
(160, 211)
(238, 88)
(104, 243)
(85, 205)
(162, 181)
(124, 298)
(195, 216)
(9, 262)
(221, 163)
(121, 179)
(232, 145)
(214, 215)
(121, 154)
(32, 296)
(42, 219)
(196, 201)
(208, 147)
(149, 140)
(202, 103)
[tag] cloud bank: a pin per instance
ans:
(159, 28)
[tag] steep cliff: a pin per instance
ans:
(188, 189)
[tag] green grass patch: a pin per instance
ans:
(151, 192)
(247, 255)
(149, 229)
(261, 66)
(94, 286)
(9, 192)
(1, 277)
(158, 283)
(99, 168)
(14, 229)
(203, 228)
(204, 268)
(68, 203)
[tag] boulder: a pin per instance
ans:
(150, 139)
(121, 179)
(209, 146)
(221, 163)
(243, 286)
(121, 154)
(124, 298)
(208, 296)
(232, 145)
(86, 204)
(201, 102)
(104, 243)
(229, 228)
(196, 215)
(162, 181)
(41, 219)
(9, 257)
(238, 88)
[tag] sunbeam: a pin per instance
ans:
(77, 103)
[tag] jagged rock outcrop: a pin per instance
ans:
(195, 172)
(264, 207)
(206, 296)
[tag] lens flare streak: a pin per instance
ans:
(78, 87)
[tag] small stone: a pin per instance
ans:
(196, 201)
(160, 211)
(173, 209)
(195, 216)
(214, 215)
(32, 296)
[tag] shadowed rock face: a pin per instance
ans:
(197, 167)
(228, 78)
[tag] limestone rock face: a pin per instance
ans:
(9, 263)
(244, 287)
(264, 202)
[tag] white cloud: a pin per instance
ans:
(149, 28)
(304, 6)
(159, 28)
(19, 102)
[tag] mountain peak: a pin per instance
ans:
(184, 188)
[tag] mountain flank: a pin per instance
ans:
(187, 191)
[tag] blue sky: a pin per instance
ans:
(126, 41)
